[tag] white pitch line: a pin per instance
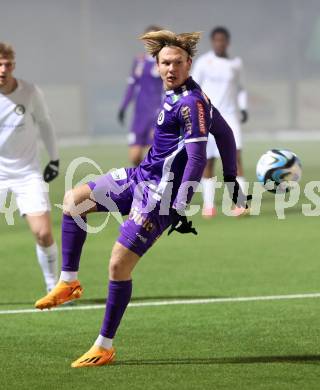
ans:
(172, 302)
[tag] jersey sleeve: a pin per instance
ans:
(194, 120)
(192, 174)
(41, 117)
(132, 83)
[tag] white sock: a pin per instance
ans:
(68, 276)
(242, 183)
(103, 342)
(208, 192)
(48, 260)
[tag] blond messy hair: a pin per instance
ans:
(6, 51)
(154, 41)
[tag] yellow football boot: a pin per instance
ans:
(96, 356)
(63, 292)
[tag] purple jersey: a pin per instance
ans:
(145, 88)
(184, 118)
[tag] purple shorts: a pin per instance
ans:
(118, 191)
(141, 132)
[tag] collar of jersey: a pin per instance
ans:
(183, 89)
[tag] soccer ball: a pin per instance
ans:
(276, 168)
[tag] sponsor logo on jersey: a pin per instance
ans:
(186, 115)
(19, 109)
(202, 119)
(160, 117)
(139, 219)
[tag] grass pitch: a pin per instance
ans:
(235, 345)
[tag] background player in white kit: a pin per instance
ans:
(221, 79)
(22, 113)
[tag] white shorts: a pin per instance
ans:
(31, 194)
(234, 123)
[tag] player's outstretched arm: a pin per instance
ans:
(196, 163)
(196, 152)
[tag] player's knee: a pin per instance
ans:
(44, 237)
(117, 271)
(114, 269)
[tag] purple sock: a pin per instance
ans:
(73, 238)
(117, 302)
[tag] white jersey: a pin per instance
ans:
(24, 113)
(222, 80)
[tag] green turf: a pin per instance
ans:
(244, 345)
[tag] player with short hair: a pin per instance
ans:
(23, 112)
(155, 194)
(221, 78)
(145, 90)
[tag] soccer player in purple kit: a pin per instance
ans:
(145, 89)
(155, 194)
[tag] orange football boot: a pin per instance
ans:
(96, 356)
(63, 292)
